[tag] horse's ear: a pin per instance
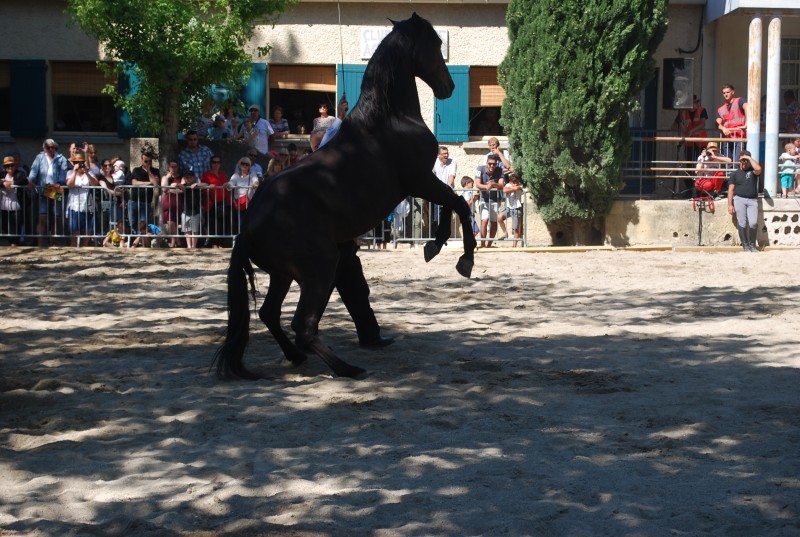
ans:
(394, 23)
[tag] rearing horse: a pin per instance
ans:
(297, 219)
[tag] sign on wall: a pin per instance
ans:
(370, 38)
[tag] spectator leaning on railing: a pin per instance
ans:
(10, 195)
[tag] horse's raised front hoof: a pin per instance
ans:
(464, 266)
(431, 250)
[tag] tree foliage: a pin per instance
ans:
(571, 72)
(176, 49)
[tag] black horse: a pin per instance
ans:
(298, 219)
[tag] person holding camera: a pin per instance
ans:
(743, 199)
(144, 178)
(80, 204)
(710, 171)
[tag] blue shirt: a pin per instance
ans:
(199, 162)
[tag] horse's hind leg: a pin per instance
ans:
(270, 314)
(314, 295)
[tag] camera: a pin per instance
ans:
(81, 165)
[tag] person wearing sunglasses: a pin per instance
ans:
(489, 180)
(49, 168)
(195, 156)
(216, 201)
(143, 179)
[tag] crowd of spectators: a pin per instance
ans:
(196, 202)
(108, 203)
(715, 162)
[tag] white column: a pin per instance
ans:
(754, 89)
(771, 149)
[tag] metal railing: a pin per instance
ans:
(663, 166)
(168, 216)
(416, 221)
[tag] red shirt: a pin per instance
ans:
(215, 195)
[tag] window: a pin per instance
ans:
(790, 73)
(78, 102)
(473, 109)
(5, 95)
(485, 99)
(299, 90)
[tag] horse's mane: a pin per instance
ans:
(388, 86)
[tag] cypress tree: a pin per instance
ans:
(571, 74)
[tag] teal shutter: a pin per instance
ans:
(127, 84)
(451, 116)
(28, 98)
(348, 82)
(255, 88)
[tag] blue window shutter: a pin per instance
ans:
(348, 82)
(127, 84)
(451, 116)
(255, 88)
(28, 98)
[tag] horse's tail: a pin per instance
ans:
(230, 356)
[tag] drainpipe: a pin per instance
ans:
(773, 108)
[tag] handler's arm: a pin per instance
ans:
(731, 188)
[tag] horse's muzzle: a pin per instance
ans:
(444, 90)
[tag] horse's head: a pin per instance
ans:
(427, 56)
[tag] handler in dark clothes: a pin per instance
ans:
(743, 199)
(350, 281)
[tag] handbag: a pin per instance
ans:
(242, 203)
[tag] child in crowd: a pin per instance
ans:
(146, 234)
(191, 219)
(787, 162)
(471, 196)
(513, 192)
(115, 238)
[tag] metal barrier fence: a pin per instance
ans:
(203, 216)
(415, 220)
(663, 166)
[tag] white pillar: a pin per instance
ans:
(754, 89)
(771, 149)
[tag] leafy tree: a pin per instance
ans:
(570, 75)
(176, 49)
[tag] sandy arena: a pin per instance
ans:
(606, 393)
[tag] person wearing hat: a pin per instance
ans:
(219, 131)
(10, 196)
(743, 199)
(710, 171)
(265, 132)
(49, 168)
(80, 204)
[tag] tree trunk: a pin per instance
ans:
(168, 138)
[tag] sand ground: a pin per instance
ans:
(608, 393)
